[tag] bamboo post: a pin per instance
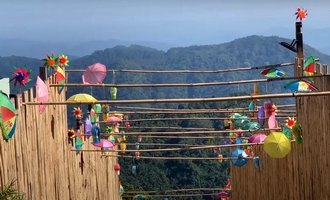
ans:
(144, 85)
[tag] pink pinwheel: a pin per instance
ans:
(94, 74)
(42, 93)
(103, 144)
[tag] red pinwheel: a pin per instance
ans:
(301, 14)
(21, 76)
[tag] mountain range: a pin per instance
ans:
(248, 51)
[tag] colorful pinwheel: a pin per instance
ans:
(50, 61)
(290, 122)
(272, 72)
(21, 76)
(301, 86)
(301, 14)
(77, 112)
(63, 61)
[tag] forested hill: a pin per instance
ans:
(248, 51)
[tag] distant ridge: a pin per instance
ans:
(248, 51)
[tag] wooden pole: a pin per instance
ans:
(300, 51)
(197, 132)
(185, 118)
(153, 85)
(191, 100)
(191, 109)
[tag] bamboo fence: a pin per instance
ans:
(304, 173)
(40, 159)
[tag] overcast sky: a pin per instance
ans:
(175, 22)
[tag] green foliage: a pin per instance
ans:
(9, 192)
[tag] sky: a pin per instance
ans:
(172, 22)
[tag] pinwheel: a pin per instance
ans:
(290, 122)
(301, 86)
(63, 61)
(50, 61)
(77, 113)
(301, 14)
(272, 72)
(21, 76)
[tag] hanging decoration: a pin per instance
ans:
(41, 93)
(309, 66)
(272, 72)
(7, 117)
(301, 86)
(277, 145)
(113, 92)
(60, 78)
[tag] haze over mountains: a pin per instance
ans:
(248, 51)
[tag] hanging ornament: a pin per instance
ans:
(77, 112)
(117, 168)
(113, 92)
(137, 154)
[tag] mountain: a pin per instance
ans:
(248, 51)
